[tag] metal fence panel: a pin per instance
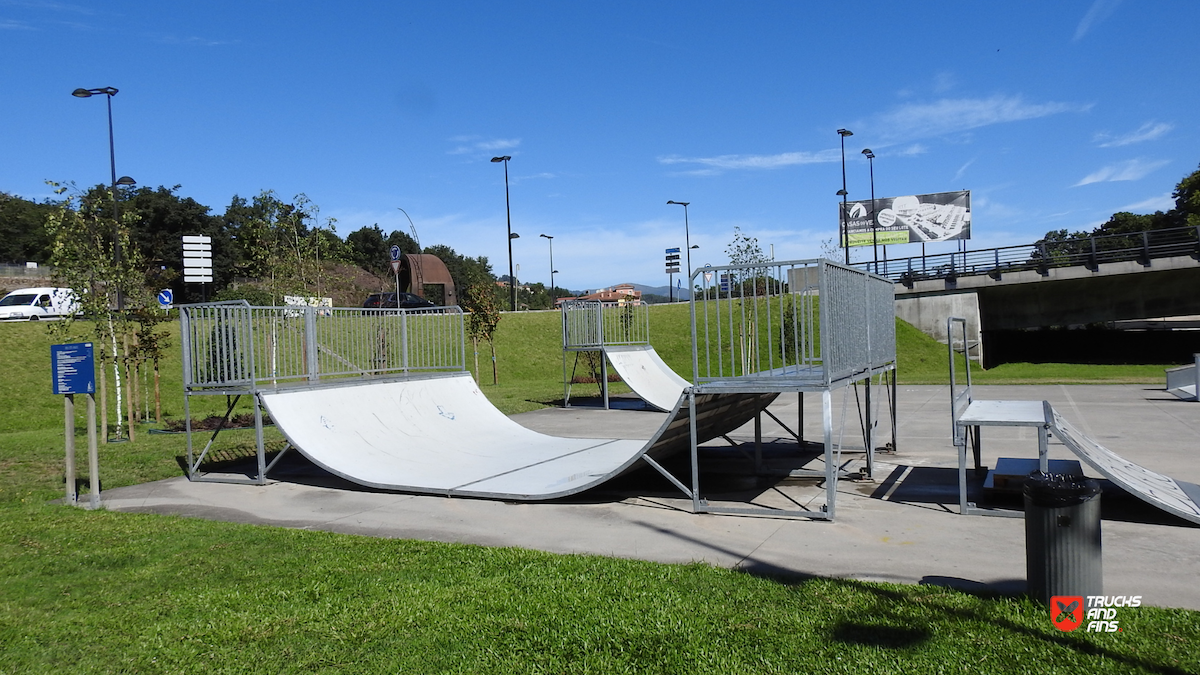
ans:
(588, 324)
(236, 345)
(811, 320)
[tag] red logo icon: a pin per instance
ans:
(1066, 612)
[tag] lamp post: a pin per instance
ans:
(687, 239)
(843, 225)
(108, 93)
(512, 286)
(550, 238)
(874, 219)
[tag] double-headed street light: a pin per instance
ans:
(108, 93)
(843, 226)
(687, 238)
(874, 219)
(512, 286)
(550, 238)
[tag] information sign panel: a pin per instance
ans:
(73, 368)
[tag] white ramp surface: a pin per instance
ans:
(647, 375)
(1175, 497)
(438, 435)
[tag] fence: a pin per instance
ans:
(811, 320)
(590, 324)
(235, 345)
(1088, 252)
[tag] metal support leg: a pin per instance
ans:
(831, 468)
(870, 435)
(757, 442)
(800, 418)
(695, 452)
(604, 378)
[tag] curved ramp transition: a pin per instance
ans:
(647, 375)
(440, 435)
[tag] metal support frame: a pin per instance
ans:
(591, 325)
(803, 326)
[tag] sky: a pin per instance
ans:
(1054, 114)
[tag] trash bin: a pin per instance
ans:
(1062, 536)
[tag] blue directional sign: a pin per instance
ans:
(395, 251)
(672, 250)
(73, 368)
(165, 297)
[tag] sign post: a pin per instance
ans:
(74, 372)
(672, 261)
(197, 260)
(395, 253)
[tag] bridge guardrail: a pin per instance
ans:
(1088, 252)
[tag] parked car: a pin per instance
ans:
(37, 304)
(396, 301)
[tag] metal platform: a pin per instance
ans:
(968, 416)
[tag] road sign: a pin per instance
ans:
(395, 252)
(672, 250)
(197, 259)
(395, 266)
(165, 297)
(672, 270)
(74, 368)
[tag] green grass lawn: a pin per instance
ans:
(107, 592)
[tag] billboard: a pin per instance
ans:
(912, 219)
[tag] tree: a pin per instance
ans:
(484, 317)
(163, 218)
(744, 249)
(23, 236)
(85, 242)
(368, 250)
(465, 271)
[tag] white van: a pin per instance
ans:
(34, 304)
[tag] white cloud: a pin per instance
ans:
(1134, 169)
(963, 169)
(1147, 132)
(470, 145)
(1163, 202)
(946, 116)
(1098, 12)
(9, 24)
(757, 161)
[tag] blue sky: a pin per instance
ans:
(1054, 115)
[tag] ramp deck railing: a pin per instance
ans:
(807, 320)
(235, 345)
(590, 324)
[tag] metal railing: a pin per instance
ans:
(41, 271)
(232, 345)
(589, 324)
(811, 320)
(1088, 252)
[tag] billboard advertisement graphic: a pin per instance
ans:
(912, 219)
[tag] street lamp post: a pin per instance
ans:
(687, 239)
(550, 238)
(874, 219)
(512, 286)
(108, 93)
(844, 226)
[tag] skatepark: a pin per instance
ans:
(628, 482)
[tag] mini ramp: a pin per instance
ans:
(1175, 497)
(440, 435)
(620, 333)
(647, 375)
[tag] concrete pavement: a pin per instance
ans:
(900, 526)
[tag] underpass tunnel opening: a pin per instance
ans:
(426, 276)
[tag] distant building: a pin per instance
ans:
(621, 294)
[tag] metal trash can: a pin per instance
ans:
(1062, 536)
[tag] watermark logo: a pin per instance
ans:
(1066, 611)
